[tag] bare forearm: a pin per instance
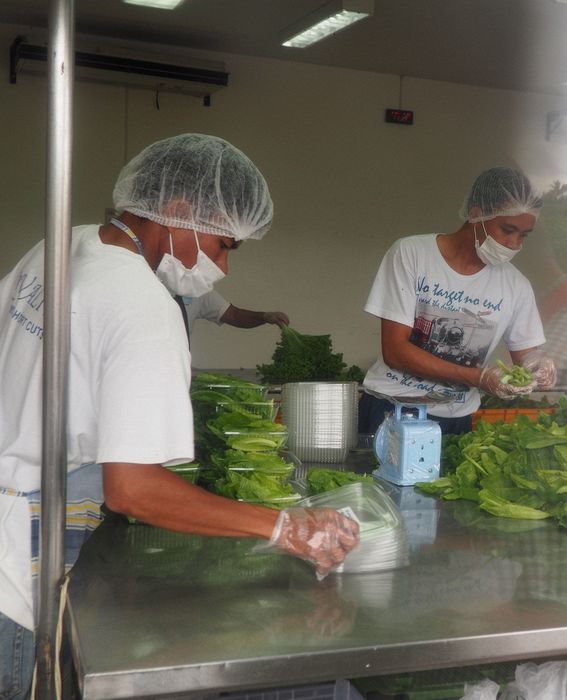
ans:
(401, 354)
(413, 360)
(243, 318)
(158, 497)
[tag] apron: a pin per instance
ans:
(16, 591)
(19, 538)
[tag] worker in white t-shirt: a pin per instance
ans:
(182, 205)
(213, 307)
(446, 300)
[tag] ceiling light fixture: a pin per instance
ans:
(325, 21)
(159, 4)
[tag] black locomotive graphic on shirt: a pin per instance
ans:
(460, 337)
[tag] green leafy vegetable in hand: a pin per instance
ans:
(306, 358)
(515, 375)
(353, 374)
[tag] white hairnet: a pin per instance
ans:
(198, 182)
(501, 192)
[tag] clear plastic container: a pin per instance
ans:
(383, 538)
(259, 487)
(321, 418)
(286, 466)
(262, 409)
(254, 441)
(241, 391)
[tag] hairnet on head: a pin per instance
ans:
(198, 182)
(501, 192)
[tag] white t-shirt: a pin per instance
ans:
(129, 379)
(460, 318)
(210, 306)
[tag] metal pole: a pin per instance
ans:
(56, 338)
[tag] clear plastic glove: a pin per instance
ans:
(321, 536)
(491, 383)
(542, 367)
(278, 318)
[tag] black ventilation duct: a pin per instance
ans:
(122, 70)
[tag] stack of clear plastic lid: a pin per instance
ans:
(321, 418)
(383, 538)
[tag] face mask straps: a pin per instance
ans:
(490, 251)
(196, 243)
(195, 281)
(484, 229)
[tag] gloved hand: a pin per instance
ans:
(491, 383)
(321, 536)
(276, 317)
(542, 368)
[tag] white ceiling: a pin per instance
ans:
(511, 44)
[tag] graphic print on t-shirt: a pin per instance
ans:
(453, 325)
(461, 338)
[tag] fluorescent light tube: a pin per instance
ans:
(325, 21)
(159, 4)
(324, 28)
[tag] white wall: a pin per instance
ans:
(344, 183)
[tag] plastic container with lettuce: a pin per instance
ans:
(239, 443)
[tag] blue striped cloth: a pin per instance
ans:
(84, 498)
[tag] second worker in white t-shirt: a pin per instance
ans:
(446, 300)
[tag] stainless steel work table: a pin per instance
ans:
(155, 614)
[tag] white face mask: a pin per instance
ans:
(193, 282)
(491, 252)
